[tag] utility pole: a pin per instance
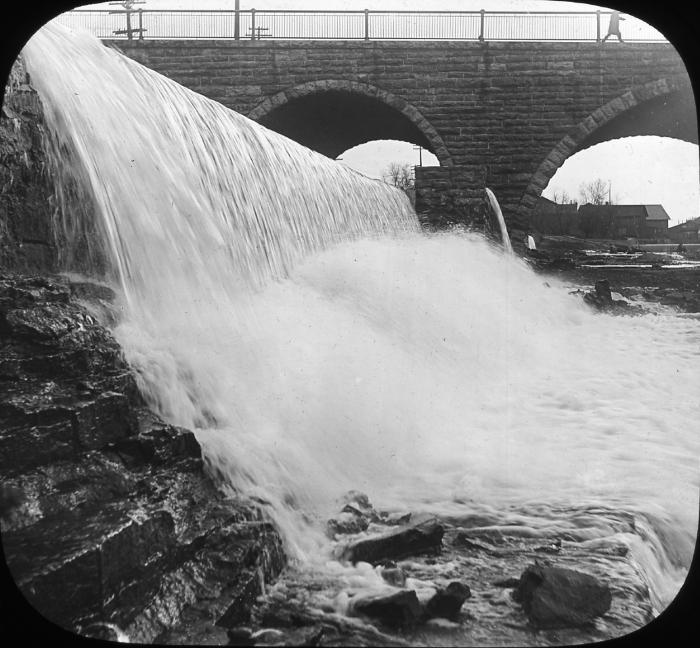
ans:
(420, 154)
(128, 10)
(237, 21)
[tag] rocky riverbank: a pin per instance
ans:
(110, 524)
(468, 580)
(109, 519)
(642, 280)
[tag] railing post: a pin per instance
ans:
(481, 25)
(237, 21)
(366, 24)
(252, 24)
(129, 34)
(597, 26)
(140, 24)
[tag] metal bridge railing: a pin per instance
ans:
(354, 25)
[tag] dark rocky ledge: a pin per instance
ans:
(107, 513)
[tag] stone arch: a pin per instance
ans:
(576, 138)
(398, 103)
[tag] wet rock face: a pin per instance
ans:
(26, 239)
(66, 387)
(36, 194)
(108, 519)
(556, 597)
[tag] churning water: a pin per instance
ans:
(291, 313)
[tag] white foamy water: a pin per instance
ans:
(289, 311)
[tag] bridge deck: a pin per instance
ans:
(361, 25)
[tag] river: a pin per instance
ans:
(291, 312)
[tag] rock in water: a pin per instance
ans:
(602, 297)
(393, 574)
(356, 502)
(355, 516)
(602, 289)
(448, 602)
(406, 541)
(346, 524)
(555, 597)
(400, 609)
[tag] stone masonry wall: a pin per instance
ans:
(503, 106)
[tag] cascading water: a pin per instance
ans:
(501, 221)
(290, 312)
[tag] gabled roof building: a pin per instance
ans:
(602, 221)
(688, 232)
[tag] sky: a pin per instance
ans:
(640, 169)
(350, 5)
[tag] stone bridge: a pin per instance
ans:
(505, 115)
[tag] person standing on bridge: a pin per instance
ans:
(614, 26)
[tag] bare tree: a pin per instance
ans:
(399, 175)
(595, 192)
(561, 197)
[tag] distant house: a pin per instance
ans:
(688, 232)
(623, 221)
(555, 219)
(656, 224)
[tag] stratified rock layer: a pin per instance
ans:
(27, 241)
(108, 516)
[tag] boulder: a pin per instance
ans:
(448, 602)
(358, 503)
(393, 574)
(602, 297)
(556, 597)
(405, 541)
(400, 609)
(355, 515)
(345, 524)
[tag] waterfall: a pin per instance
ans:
(289, 311)
(201, 192)
(501, 221)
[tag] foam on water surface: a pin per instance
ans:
(290, 312)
